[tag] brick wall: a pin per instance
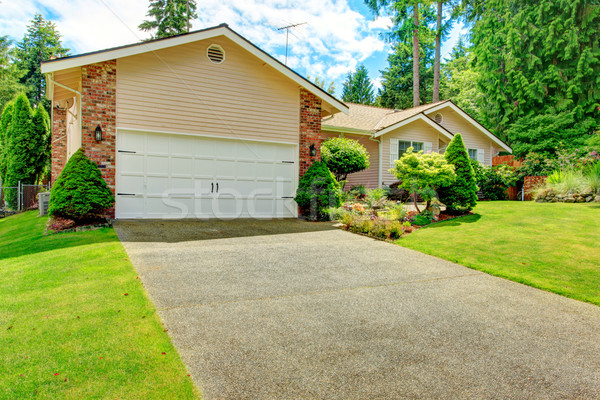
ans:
(98, 107)
(59, 142)
(310, 129)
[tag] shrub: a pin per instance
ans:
(461, 195)
(421, 220)
(592, 178)
(358, 192)
(418, 171)
(491, 184)
(566, 181)
(80, 193)
(344, 156)
(317, 192)
(337, 213)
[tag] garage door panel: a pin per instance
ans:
(176, 176)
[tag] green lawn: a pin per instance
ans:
(75, 321)
(555, 247)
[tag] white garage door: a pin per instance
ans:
(181, 176)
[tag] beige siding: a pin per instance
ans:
(180, 90)
(418, 131)
(472, 136)
(368, 177)
(69, 77)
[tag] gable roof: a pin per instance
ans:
(158, 44)
(379, 121)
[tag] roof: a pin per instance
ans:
(157, 44)
(378, 121)
(373, 119)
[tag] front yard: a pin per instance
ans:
(554, 247)
(76, 323)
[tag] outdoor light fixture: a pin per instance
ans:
(98, 134)
(313, 150)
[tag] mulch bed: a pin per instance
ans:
(64, 225)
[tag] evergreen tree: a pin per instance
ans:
(169, 17)
(461, 196)
(537, 57)
(320, 82)
(42, 134)
(40, 43)
(358, 88)
(20, 145)
(80, 192)
(5, 121)
(317, 192)
(9, 73)
(397, 78)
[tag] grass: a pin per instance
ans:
(75, 321)
(550, 246)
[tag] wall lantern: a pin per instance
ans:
(312, 150)
(98, 134)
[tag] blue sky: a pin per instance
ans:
(338, 34)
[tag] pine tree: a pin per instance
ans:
(20, 145)
(169, 17)
(9, 73)
(461, 196)
(537, 58)
(40, 43)
(358, 88)
(320, 82)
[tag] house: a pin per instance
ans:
(387, 133)
(199, 125)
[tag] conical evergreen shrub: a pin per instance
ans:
(461, 196)
(80, 192)
(318, 191)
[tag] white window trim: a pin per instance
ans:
(394, 148)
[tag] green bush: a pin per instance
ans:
(592, 178)
(318, 191)
(344, 156)
(490, 183)
(80, 193)
(461, 195)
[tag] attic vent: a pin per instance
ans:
(215, 53)
(438, 118)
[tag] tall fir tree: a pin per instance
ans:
(40, 156)
(5, 121)
(537, 60)
(358, 88)
(40, 43)
(461, 195)
(320, 82)
(169, 17)
(9, 72)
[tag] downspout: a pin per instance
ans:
(379, 173)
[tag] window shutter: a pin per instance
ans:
(393, 152)
(481, 155)
(427, 147)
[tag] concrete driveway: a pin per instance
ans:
(297, 310)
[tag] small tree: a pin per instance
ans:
(40, 155)
(318, 191)
(461, 196)
(5, 121)
(80, 192)
(423, 173)
(20, 144)
(344, 156)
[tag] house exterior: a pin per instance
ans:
(199, 125)
(387, 133)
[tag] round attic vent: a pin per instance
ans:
(215, 54)
(438, 118)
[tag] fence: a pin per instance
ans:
(23, 196)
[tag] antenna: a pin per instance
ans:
(287, 34)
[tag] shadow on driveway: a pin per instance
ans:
(174, 231)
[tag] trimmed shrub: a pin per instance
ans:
(318, 191)
(80, 193)
(461, 196)
(5, 121)
(344, 156)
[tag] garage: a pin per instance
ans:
(162, 175)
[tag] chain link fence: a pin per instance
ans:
(19, 198)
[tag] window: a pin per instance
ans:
(403, 145)
(473, 154)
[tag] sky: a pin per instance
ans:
(337, 36)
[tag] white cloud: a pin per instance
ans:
(381, 22)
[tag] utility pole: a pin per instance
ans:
(287, 34)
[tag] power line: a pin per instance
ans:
(287, 35)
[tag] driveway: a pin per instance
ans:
(296, 310)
